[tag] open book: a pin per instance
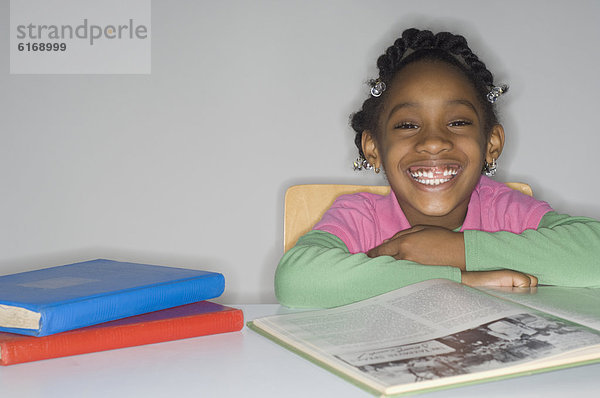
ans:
(439, 333)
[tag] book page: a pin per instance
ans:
(578, 304)
(414, 313)
(18, 318)
(428, 331)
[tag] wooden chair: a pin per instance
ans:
(305, 205)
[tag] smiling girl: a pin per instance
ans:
(431, 125)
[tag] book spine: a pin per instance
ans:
(94, 339)
(103, 308)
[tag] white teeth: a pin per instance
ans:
(426, 177)
(431, 174)
(436, 181)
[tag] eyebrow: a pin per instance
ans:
(402, 105)
(463, 102)
(416, 105)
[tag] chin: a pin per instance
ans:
(435, 211)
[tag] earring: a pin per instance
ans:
(490, 169)
(361, 163)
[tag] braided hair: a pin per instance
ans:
(416, 45)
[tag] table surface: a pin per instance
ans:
(238, 364)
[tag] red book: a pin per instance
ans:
(190, 320)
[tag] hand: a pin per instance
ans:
(425, 245)
(503, 277)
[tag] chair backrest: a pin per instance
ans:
(306, 204)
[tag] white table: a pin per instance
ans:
(238, 364)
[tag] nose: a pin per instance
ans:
(433, 140)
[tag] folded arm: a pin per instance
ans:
(320, 272)
(563, 251)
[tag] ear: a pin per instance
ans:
(495, 143)
(369, 147)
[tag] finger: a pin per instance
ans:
(521, 280)
(533, 279)
(374, 252)
(384, 249)
(404, 232)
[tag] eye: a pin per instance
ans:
(406, 126)
(459, 123)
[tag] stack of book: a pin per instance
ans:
(102, 305)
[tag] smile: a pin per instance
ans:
(433, 175)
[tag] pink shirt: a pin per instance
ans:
(364, 220)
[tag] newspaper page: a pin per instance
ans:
(431, 330)
(577, 304)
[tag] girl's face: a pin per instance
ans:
(431, 143)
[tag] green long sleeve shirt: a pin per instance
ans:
(320, 271)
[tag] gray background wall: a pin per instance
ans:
(188, 166)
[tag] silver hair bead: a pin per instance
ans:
(496, 92)
(377, 87)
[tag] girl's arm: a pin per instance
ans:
(320, 272)
(562, 251)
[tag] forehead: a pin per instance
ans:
(432, 80)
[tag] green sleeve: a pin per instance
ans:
(563, 250)
(320, 272)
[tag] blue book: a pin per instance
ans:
(57, 299)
